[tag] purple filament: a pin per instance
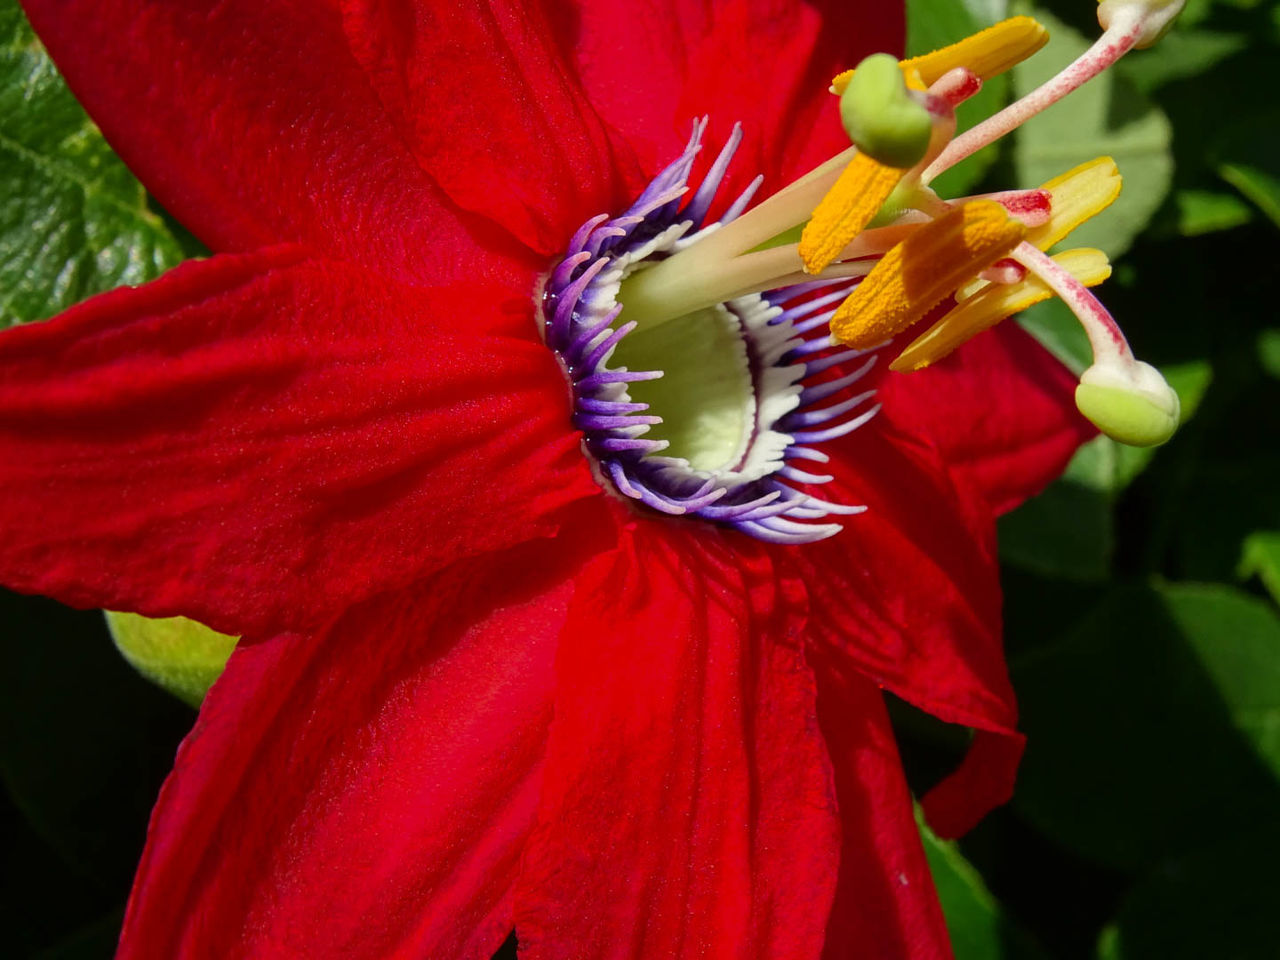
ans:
(583, 334)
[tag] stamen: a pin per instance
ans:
(1106, 338)
(657, 295)
(852, 203)
(1003, 272)
(992, 304)
(1076, 196)
(1126, 399)
(773, 216)
(987, 53)
(956, 86)
(1126, 23)
(1032, 207)
(924, 269)
(894, 129)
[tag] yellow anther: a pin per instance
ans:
(987, 53)
(911, 75)
(923, 269)
(846, 209)
(1075, 197)
(991, 305)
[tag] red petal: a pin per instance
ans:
(885, 906)
(253, 124)
(687, 809)
(364, 793)
(909, 593)
(767, 63)
(259, 442)
(1002, 411)
(983, 781)
(491, 109)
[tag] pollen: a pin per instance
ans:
(992, 304)
(846, 209)
(987, 53)
(923, 270)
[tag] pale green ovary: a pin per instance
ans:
(706, 397)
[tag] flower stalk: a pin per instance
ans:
(1127, 24)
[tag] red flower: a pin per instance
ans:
(475, 690)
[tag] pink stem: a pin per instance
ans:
(1105, 336)
(1117, 40)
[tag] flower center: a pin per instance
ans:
(707, 394)
(706, 357)
(706, 413)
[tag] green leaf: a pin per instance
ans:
(1261, 557)
(1269, 351)
(1208, 211)
(1259, 184)
(177, 654)
(1056, 327)
(1160, 703)
(1181, 54)
(986, 12)
(1069, 530)
(1108, 116)
(932, 24)
(1101, 465)
(1065, 532)
(73, 220)
(976, 922)
(1247, 156)
(1218, 901)
(1224, 492)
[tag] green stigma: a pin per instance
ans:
(881, 116)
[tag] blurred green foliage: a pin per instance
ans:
(1141, 588)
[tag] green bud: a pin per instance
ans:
(179, 655)
(881, 117)
(1132, 406)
